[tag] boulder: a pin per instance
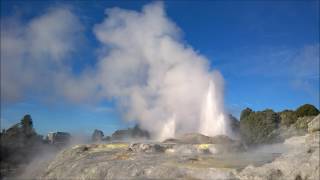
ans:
(314, 125)
(302, 122)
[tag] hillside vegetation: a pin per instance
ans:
(264, 126)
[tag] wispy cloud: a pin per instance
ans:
(299, 67)
(34, 51)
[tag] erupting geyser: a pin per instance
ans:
(156, 80)
(169, 128)
(213, 121)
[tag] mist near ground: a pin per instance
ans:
(254, 156)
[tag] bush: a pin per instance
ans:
(256, 126)
(307, 110)
(27, 126)
(245, 113)
(288, 117)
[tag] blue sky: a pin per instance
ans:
(267, 52)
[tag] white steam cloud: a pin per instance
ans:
(156, 80)
(33, 52)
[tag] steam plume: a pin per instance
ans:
(157, 80)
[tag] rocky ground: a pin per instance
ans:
(300, 162)
(192, 156)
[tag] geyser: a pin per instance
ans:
(213, 120)
(143, 65)
(168, 129)
(157, 80)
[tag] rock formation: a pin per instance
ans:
(192, 156)
(130, 133)
(97, 135)
(300, 162)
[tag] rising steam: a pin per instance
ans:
(158, 81)
(155, 78)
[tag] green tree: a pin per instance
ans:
(27, 126)
(245, 113)
(288, 117)
(256, 126)
(307, 110)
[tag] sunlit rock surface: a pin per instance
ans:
(301, 162)
(191, 156)
(139, 160)
(314, 125)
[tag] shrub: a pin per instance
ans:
(288, 117)
(245, 113)
(256, 126)
(307, 110)
(302, 122)
(27, 126)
